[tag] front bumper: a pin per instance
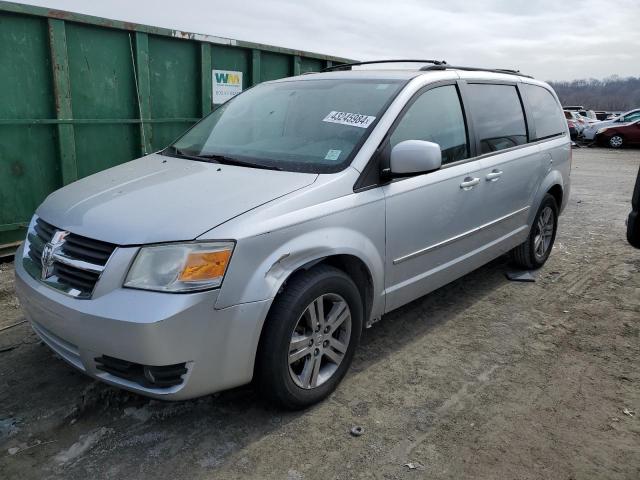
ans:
(148, 328)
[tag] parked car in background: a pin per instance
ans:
(633, 222)
(600, 115)
(573, 107)
(262, 242)
(573, 131)
(578, 121)
(617, 136)
(588, 121)
(589, 132)
(590, 114)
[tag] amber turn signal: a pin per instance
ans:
(202, 266)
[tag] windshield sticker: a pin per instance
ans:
(332, 155)
(352, 119)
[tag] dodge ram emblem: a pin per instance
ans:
(49, 252)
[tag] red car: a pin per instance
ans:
(618, 136)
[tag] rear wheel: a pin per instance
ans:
(309, 337)
(616, 141)
(535, 251)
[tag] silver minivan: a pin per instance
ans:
(261, 243)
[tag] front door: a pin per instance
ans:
(433, 220)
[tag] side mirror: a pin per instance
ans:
(415, 156)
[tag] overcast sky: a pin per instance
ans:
(550, 39)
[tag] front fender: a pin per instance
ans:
(274, 242)
(265, 278)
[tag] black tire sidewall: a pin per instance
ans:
(547, 201)
(282, 319)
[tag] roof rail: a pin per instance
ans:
(474, 69)
(349, 66)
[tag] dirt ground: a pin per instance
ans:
(483, 379)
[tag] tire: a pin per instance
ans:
(528, 255)
(616, 141)
(633, 221)
(290, 349)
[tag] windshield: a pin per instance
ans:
(302, 125)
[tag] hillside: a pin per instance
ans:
(611, 94)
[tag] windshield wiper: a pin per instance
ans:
(234, 161)
(172, 150)
(176, 152)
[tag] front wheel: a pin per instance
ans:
(535, 251)
(309, 337)
(616, 141)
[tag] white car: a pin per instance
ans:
(590, 132)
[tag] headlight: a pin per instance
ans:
(180, 267)
(601, 130)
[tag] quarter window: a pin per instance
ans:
(497, 116)
(547, 115)
(436, 116)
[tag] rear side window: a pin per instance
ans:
(631, 117)
(436, 116)
(547, 116)
(497, 116)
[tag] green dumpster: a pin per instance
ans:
(79, 94)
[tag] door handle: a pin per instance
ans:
(469, 183)
(494, 176)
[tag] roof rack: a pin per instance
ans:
(349, 66)
(474, 69)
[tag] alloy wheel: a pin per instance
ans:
(544, 233)
(616, 141)
(319, 341)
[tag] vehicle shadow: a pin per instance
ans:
(419, 317)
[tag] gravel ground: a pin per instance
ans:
(484, 378)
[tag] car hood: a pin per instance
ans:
(159, 199)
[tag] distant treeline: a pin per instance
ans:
(611, 94)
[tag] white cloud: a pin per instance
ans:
(546, 38)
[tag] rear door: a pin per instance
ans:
(513, 167)
(632, 133)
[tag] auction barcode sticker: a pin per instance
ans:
(353, 119)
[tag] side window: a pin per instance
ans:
(436, 116)
(547, 115)
(497, 116)
(631, 117)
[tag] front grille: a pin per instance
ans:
(78, 268)
(86, 249)
(164, 376)
(75, 277)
